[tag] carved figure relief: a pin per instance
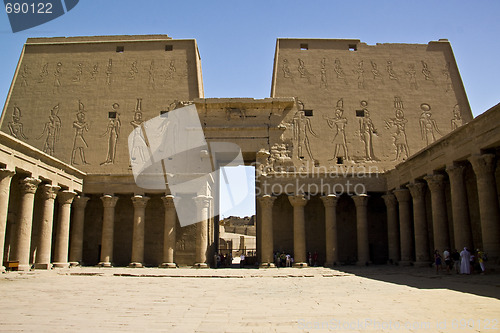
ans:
(286, 70)
(93, 73)
(456, 121)
(390, 71)
(235, 113)
(324, 79)
(304, 73)
(113, 132)
(57, 77)
(151, 80)
(339, 71)
(16, 126)
(138, 142)
(399, 123)
(361, 76)
(426, 72)
(338, 124)
(301, 130)
(78, 73)
(109, 72)
(447, 75)
(376, 72)
(366, 132)
(53, 129)
(24, 77)
(133, 70)
(43, 73)
(412, 73)
(171, 70)
(428, 126)
(79, 143)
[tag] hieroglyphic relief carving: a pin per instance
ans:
(151, 80)
(138, 142)
(324, 79)
(53, 130)
(109, 72)
(44, 71)
(426, 72)
(339, 71)
(113, 132)
(390, 71)
(366, 132)
(447, 75)
(57, 77)
(376, 72)
(287, 73)
(456, 121)
(412, 73)
(133, 70)
(93, 73)
(171, 70)
(338, 124)
(24, 77)
(16, 126)
(304, 73)
(301, 129)
(361, 75)
(428, 125)
(79, 143)
(399, 123)
(78, 73)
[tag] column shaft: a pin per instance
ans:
(462, 232)
(5, 180)
(392, 227)
(65, 199)
(403, 196)
(417, 191)
(169, 233)
(108, 223)
(202, 205)
(267, 245)
(77, 229)
(139, 203)
(331, 236)
(44, 250)
(361, 202)
(299, 230)
(439, 212)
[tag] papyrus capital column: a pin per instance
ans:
(484, 168)
(266, 208)
(202, 210)
(108, 224)
(299, 230)
(49, 194)
(405, 236)
(417, 191)
(139, 203)
(459, 207)
(5, 180)
(392, 226)
(65, 198)
(439, 212)
(77, 229)
(331, 238)
(169, 233)
(361, 202)
(28, 187)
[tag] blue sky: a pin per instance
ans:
(237, 39)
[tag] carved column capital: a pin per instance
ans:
(402, 194)
(140, 201)
(330, 200)
(109, 201)
(202, 201)
(417, 191)
(80, 202)
(297, 200)
(50, 191)
(65, 197)
(29, 185)
(168, 201)
(483, 165)
(455, 172)
(266, 201)
(4, 173)
(360, 200)
(390, 200)
(435, 182)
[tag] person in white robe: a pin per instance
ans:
(465, 261)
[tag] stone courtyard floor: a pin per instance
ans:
(350, 299)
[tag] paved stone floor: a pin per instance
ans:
(351, 299)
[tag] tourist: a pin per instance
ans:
(309, 258)
(447, 260)
(437, 260)
(282, 259)
(481, 257)
(288, 261)
(465, 261)
(242, 260)
(472, 262)
(315, 258)
(455, 257)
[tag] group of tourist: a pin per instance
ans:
(283, 259)
(465, 262)
(223, 260)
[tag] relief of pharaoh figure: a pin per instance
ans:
(338, 125)
(16, 126)
(428, 125)
(113, 132)
(79, 143)
(366, 132)
(53, 129)
(301, 129)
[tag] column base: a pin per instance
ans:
(267, 265)
(2, 269)
(200, 265)
(135, 265)
(168, 265)
(105, 264)
(43, 266)
(74, 264)
(60, 264)
(24, 268)
(422, 263)
(300, 264)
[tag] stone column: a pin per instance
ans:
(439, 212)
(108, 224)
(417, 191)
(202, 209)
(299, 230)
(139, 203)
(484, 168)
(331, 238)
(169, 233)
(44, 250)
(403, 196)
(77, 228)
(460, 207)
(361, 202)
(65, 198)
(392, 227)
(5, 179)
(267, 245)
(28, 187)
